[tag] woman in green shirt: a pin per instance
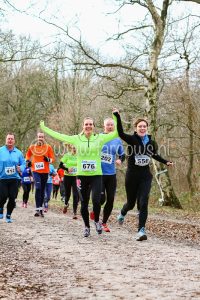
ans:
(69, 164)
(89, 173)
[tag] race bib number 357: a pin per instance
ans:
(88, 165)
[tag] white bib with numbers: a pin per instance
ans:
(39, 165)
(142, 160)
(10, 170)
(106, 158)
(73, 171)
(26, 179)
(88, 165)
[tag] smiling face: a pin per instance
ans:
(141, 128)
(88, 126)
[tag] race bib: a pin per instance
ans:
(73, 171)
(26, 179)
(142, 160)
(88, 165)
(39, 165)
(106, 158)
(10, 170)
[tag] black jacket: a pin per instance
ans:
(138, 154)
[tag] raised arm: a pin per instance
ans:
(59, 136)
(124, 136)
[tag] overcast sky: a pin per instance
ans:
(95, 18)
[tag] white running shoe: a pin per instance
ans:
(141, 236)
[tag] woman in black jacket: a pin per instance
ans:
(138, 176)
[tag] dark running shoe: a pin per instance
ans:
(37, 214)
(8, 219)
(65, 208)
(86, 232)
(98, 227)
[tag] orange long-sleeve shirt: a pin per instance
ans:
(36, 154)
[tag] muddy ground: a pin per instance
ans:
(50, 259)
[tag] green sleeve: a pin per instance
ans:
(71, 139)
(64, 158)
(112, 135)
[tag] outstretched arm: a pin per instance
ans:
(159, 158)
(59, 136)
(112, 135)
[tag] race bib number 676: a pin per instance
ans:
(88, 165)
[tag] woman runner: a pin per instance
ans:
(89, 172)
(138, 176)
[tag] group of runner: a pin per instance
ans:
(89, 169)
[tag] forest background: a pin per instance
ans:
(155, 75)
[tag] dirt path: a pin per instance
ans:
(49, 259)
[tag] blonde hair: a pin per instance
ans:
(106, 120)
(88, 118)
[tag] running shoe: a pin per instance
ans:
(86, 232)
(65, 208)
(45, 210)
(75, 216)
(92, 216)
(105, 227)
(1, 216)
(37, 214)
(41, 213)
(8, 219)
(25, 205)
(120, 219)
(141, 236)
(98, 227)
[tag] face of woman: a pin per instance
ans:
(88, 126)
(141, 128)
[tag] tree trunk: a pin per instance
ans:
(166, 188)
(168, 196)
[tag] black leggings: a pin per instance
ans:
(138, 186)
(85, 184)
(70, 184)
(109, 184)
(55, 190)
(8, 190)
(26, 189)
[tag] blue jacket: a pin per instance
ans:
(26, 179)
(108, 156)
(9, 160)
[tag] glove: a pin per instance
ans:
(29, 163)
(61, 166)
(47, 159)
